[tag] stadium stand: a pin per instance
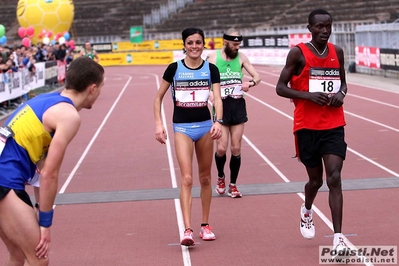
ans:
(219, 14)
(8, 12)
(103, 17)
(342, 10)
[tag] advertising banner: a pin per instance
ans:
(266, 41)
(136, 34)
(389, 59)
(136, 58)
(98, 47)
(367, 56)
(294, 39)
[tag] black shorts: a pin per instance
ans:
(234, 111)
(22, 194)
(312, 144)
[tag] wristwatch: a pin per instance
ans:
(219, 121)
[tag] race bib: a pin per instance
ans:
(231, 87)
(234, 91)
(192, 98)
(325, 80)
(5, 133)
(192, 93)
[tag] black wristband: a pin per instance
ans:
(254, 82)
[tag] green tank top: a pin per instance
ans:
(91, 55)
(230, 76)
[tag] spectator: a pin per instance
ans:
(211, 44)
(8, 66)
(40, 54)
(50, 56)
(5, 52)
(29, 61)
(58, 52)
(15, 54)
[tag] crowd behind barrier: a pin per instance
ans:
(26, 69)
(18, 86)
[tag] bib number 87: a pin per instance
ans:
(228, 91)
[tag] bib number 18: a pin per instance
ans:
(328, 86)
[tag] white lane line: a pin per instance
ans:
(374, 162)
(179, 214)
(372, 121)
(374, 101)
(71, 175)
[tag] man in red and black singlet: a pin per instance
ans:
(316, 74)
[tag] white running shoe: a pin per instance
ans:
(307, 228)
(206, 233)
(341, 251)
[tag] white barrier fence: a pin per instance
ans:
(255, 56)
(16, 84)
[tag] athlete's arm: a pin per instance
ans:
(160, 132)
(211, 58)
(64, 120)
(338, 99)
(217, 101)
(250, 69)
(216, 130)
(96, 56)
(288, 71)
(167, 79)
(294, 66)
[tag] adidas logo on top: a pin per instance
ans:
(236, 39)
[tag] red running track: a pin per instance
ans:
(115, 150)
